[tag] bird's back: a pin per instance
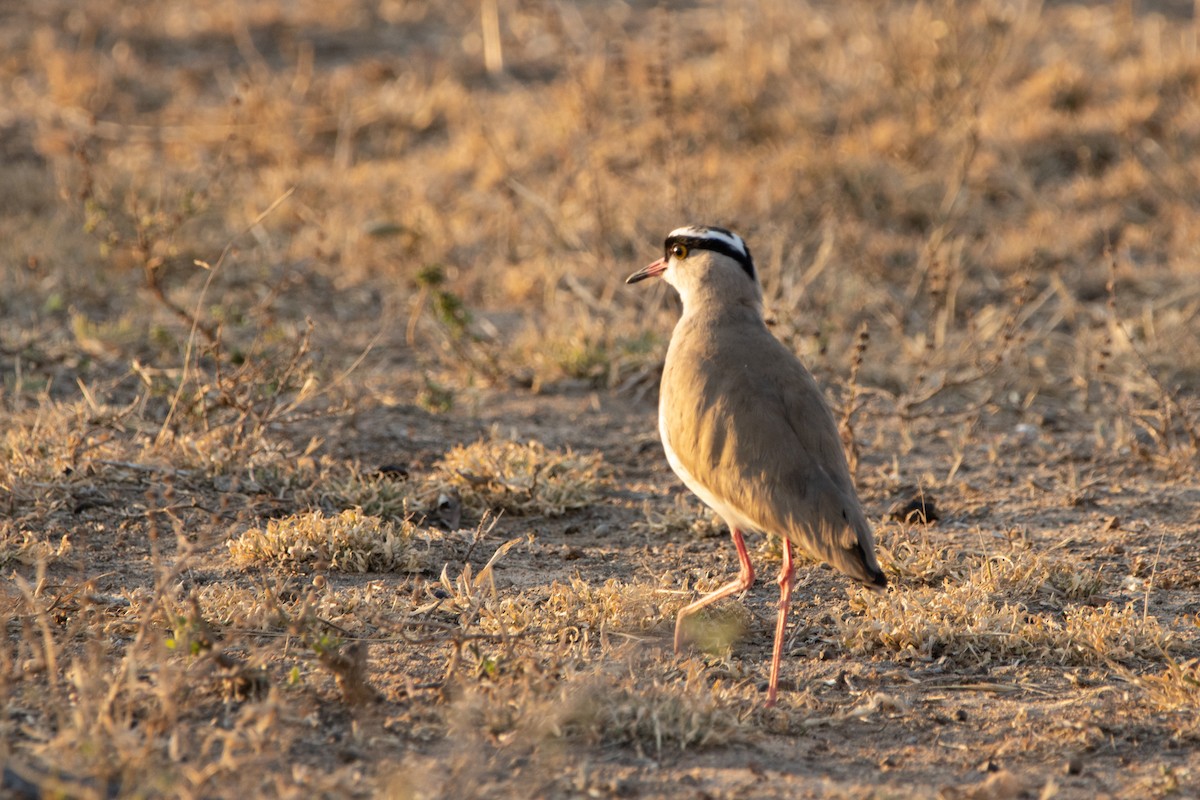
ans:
(748, 423)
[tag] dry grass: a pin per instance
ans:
(519, 478)
(28, 548)
(1021, 572)
(968, 626)
(348, 542)
(286, 272)
(376, 494)
(577, 608)
(608, 707)
(1176, 688)
(651, 714)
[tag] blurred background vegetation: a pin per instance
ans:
(994, 188)
(269, 269)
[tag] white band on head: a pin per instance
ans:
(717, 234)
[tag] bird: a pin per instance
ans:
(747, 429)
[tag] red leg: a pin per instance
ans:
(785, 598)
(741, 583)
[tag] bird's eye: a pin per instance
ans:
(679, 251)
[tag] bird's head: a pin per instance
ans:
(706, 264)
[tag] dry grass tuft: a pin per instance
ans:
(375, 494)
(614, 604)
(650, 712)
(968, 625)
(46, 448)
(28, 548)
(268, 607)
(1022, 572)
(521, 479)
(632, 704)
(968, 605)
(575, 611)
(914, 559)
(350, 542)
(1176, 688)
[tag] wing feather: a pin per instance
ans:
(765, 441)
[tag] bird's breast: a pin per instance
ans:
(693, 445)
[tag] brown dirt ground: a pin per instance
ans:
(943, 729)
(846, 726)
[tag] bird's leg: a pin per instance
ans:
(741, 583)
(785, 598)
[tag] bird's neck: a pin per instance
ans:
(722, 310)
